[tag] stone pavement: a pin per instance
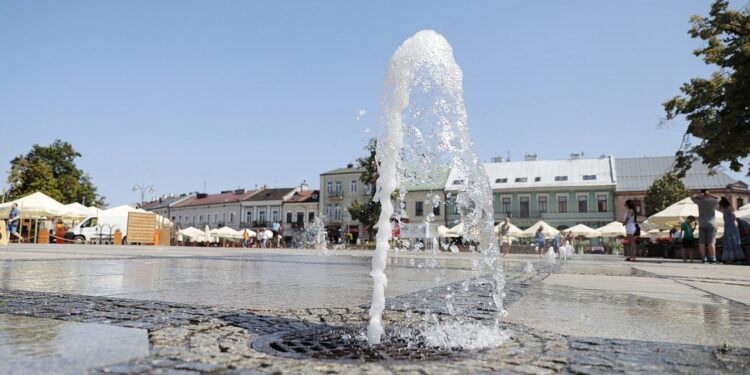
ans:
(133, 310)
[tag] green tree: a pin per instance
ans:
(53, 171)
(663, 192)
(368, 212)
(717, 108)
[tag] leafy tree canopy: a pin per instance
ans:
(368, 212)
(664, 192)
(717, 108)
(52, 170)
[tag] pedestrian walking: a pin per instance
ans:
(14, 219)
(732, 249)
(629, 219)
(557, 242)
(706, 224)
(688, 240)
(539, 242)
(505, 239)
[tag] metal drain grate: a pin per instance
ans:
(345, 344)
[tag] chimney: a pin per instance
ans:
(303, 186)
(239, 191)
(531, 157)
(575, 156)
(350, 165)
(497, 159)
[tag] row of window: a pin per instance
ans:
(336, 187)
(562, 204)
(300, 217)
(419, 209)
(201, 219)
(333, 212)
(586, 177)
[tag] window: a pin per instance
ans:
(353, 186)
(262, 216)
(224, 217)
(637, 203)
(288, 217)
(501, 180)
(562, 204)
(561, 178)
(328, 210)
(231, 217)
(542, 203)
(329, 187)
(740, 203)
(275, 215)
(300, 217)
(337, 213)
(601, 203)
(201, 218)
(249, 216)
(216, 217)
(311, 216)
(458, 182)
(338, 186)
(521, 179)
(583, 203)
(537, 179)
(524, 203)
(506, 205)
(455, 207)
(589, 177)
(419, 208)
(436, 210)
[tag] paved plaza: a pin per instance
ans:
(182, 310)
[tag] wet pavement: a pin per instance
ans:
(204, 308)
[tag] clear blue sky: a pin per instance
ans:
(243, 93)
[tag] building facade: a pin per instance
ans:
(635, 176)
(264, 208)
(163, 205)
(298, 211)
(563, 193)
(339, 188)
(214, 210)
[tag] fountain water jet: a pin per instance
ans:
(423, 135)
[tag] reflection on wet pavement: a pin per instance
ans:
(43, 346)
(262, 281)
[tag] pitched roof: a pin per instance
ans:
(304, 196)
(269, 194)
(221, 198)
(544, 173)
(163, 202)
(637, 174)
(345, 170)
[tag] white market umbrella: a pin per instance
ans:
(583, 230)
(743, 214)
(35, 206)
(444, 232)
(679, 212)
(226, 232)
(513, 231)
(248, 231)
(268, 234)
(548, 230)
(191, 232)
(613, 229)
(457, 230)
(78, 211)
(745, 207)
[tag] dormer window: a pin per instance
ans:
(458, 182)
(561, 178)
(521, 179)
(501, 180)
(315, 196)
(537, 179)
(295, 197)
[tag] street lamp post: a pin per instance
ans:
(143, 188)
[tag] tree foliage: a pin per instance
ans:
(52, 170)
(717, 108)
(664, 192)
(367, 213)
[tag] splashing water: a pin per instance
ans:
(424, 135)
(315, 234)
(529, 268)
(550, 256)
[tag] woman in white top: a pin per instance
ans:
(629, 221)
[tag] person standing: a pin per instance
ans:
(688, 241)
(706, 224)
(505, 239)
(629, 220)
(732, 250)
(557, 241)
(539, 242)
(13, 220)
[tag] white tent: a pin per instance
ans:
(35, 206)
(226, 232)
(583, 230)
(444, 232)
(456, 231)
(191, 232)
(548, 230)
(745, 207)
(78, 211)
(613, 229)
(743, 213)
(678, 212)
(123, 210)
(514, 231)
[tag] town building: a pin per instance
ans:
(635, 176)
(563, 193)
(214, 210)
(339, 188)
(163, 205)
(298, 211)
(425, 202)
(264, 208)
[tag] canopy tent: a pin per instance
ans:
(649, 226)
(226, 232)
(249, 232)
(161, 221)
(583, 231)
(78, 211)
(445, 232)
(743, 213)
(514, 231)
(548, 230)
(35, 206)
(191, 232)
(679, 212)
(613, 229)
(456, 231)
(745, 207)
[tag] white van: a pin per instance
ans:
(98, 228)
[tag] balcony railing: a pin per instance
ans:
(336, 194)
